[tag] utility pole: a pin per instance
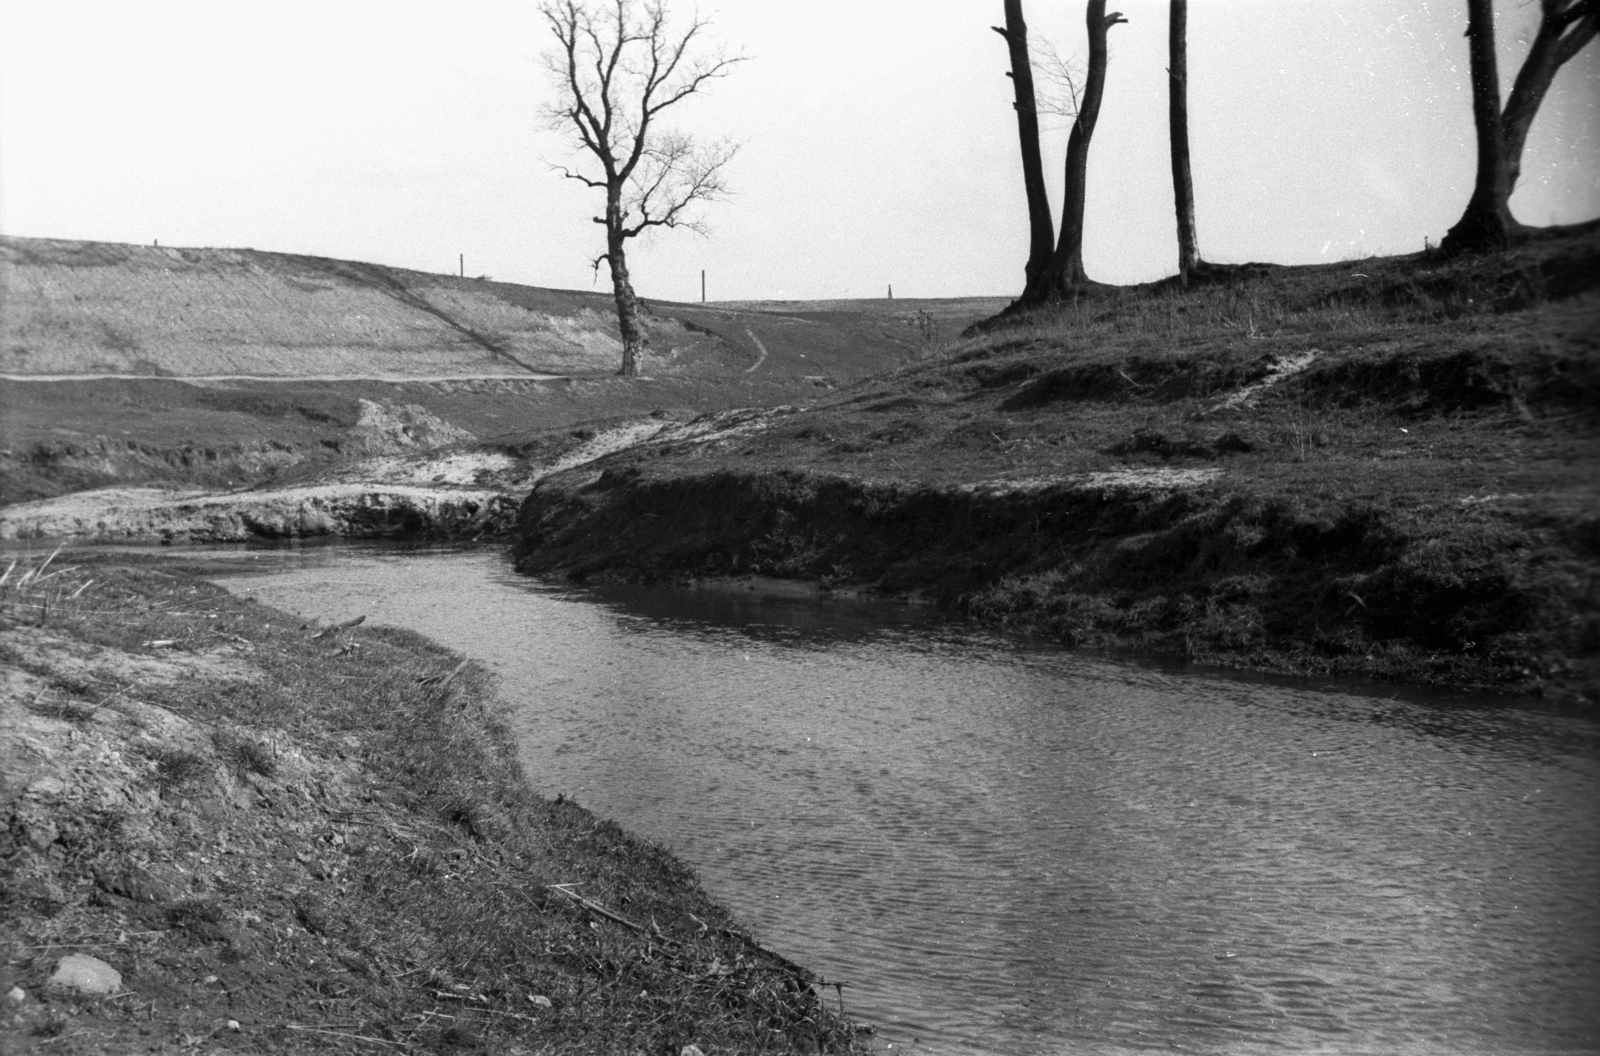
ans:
(461, 262)
(702, 285)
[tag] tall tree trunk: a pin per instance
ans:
(1066, 265)
(633, 339)
(1565, 26)
(1041, 228)
(1178, 128)
(1487, 223)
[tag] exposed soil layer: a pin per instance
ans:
(1302, 470)
(280, 838)
(60, 437)
(461, 491)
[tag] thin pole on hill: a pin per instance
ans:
(461, 262)
(702, 285)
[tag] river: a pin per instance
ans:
(1002, 847)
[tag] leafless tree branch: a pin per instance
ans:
(1063, 81)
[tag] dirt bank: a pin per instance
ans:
(462, 491)
(1171, 562)
(224, 831)
(1384, 468)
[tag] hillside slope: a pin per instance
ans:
(224, 368)
(87, 308)
(1384, 468)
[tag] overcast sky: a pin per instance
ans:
(879, 141)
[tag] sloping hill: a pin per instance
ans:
(95, 307)
(126, 364)
(90, 308)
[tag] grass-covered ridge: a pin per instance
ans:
(288, 843)
(1380, 467)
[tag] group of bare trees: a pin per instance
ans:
(620, 64)
(1053, 271)
(1056, 265)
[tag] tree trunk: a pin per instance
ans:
(1041, 227)
(1487, 223)
(1066, 265)
(1178, 128)
(1564, 29)
(633, 339)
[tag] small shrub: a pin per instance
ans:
(177, 767)
(245, 754)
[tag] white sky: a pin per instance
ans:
(880, 144)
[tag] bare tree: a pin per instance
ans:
(1565, 27)
(1066, 268)
(1063, 267)
(1041, 228)
(1178, 129)
(618, 65)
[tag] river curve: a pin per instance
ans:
(1010, 849)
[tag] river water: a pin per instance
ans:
(1007, 848)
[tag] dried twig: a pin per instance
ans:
(596, 908)
(340, 1034)
(443, 680)
(336, 628)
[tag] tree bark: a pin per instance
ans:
(1178, 127)
(1565, 26)
(1487, 223)
(1066, 264)
(1041, 228)
(633, 339)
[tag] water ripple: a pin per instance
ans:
(1013, 850)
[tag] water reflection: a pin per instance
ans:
(1006, 849)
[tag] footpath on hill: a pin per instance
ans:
(226, 831)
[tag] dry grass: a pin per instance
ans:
(1381, 468)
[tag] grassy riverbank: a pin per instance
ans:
(1382, 468)
(287, 842)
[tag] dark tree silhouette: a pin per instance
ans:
(1042, 230)
(1565, 26)
(619, 64)
(1178, 130)
(1062, 270)
(1066, 267)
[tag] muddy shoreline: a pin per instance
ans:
(226, 828)
(1121, 565)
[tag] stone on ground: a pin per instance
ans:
(88, 975)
